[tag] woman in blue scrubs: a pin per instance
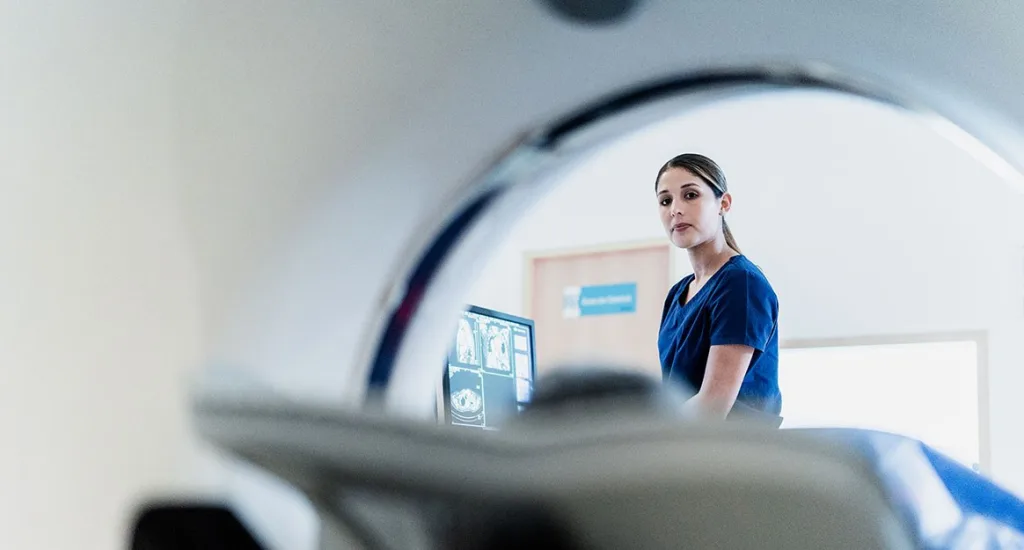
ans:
(719, 329)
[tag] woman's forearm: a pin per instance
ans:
(707, 405)
(726, 367)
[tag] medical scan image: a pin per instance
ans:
(497, 345)
(489, 371)
(467, 401)
(467, 347)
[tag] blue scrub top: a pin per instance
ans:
(736, 306)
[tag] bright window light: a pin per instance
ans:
(927, 391)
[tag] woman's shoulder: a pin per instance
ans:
(741, 271)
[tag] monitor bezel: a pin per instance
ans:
(446, 411)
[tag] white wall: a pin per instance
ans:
(867, 222)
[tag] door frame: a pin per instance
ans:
(568, 252)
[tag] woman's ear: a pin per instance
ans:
(726, 202)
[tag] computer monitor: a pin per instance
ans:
(490, 370)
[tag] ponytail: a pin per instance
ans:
(730, 241)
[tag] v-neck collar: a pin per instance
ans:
(692, 277)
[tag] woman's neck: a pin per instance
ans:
(707, 258)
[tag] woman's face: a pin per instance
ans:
(690, 212)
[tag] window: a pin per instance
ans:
(924, 390)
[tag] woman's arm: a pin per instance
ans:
(726, 367)
(743, 314)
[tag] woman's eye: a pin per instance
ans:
(690, 196)
(665, 202)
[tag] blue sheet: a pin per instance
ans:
(947, 505)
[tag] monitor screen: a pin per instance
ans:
(490, 370)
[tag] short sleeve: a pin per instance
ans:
(743, 311)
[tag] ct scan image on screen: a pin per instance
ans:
(490, 371)
(466, 397)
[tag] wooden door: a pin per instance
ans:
(624, 339)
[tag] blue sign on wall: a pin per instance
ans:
(579, 301)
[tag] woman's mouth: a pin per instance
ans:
(680, 227)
